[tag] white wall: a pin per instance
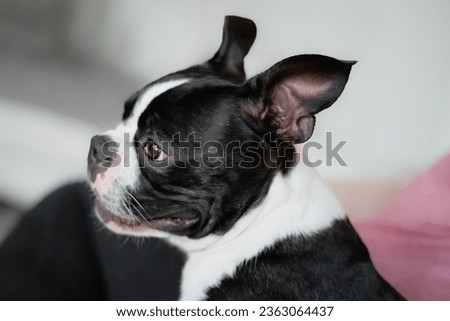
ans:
(395, 111)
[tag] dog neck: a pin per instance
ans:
(298, 203)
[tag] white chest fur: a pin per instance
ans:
(298, 203)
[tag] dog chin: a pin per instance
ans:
(157, 227)
(120, 225)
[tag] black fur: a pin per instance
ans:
(218, 110)
(331, 265)
(266, 115)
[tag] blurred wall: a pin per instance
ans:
(67, 66)
(395, 112)
(38, 27)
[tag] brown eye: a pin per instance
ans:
(154, 152)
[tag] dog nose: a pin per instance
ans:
(97, 152)
(101, 155)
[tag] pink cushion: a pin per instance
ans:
(409, 240)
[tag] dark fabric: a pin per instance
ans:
(59, 251)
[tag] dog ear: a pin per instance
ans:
(237, 39)
(285, 99)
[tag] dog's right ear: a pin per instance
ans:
(237, 39)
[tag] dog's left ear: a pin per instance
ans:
(237, 39)
(285, 99)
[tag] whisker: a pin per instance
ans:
(139, 212)
(134, 218)
(139, 204)
(125, 240)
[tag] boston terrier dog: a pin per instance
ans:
(209, 161)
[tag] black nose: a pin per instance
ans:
(102, 154)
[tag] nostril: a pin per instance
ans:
(102, 151)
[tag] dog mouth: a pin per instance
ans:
(124, 225)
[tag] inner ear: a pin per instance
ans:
(292, 102)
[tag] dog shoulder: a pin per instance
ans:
(331, 265)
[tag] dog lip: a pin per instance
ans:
(168, 223)
(165, 222)
(107, 216)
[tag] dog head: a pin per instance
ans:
(199, 147)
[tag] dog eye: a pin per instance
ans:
(154, 152)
